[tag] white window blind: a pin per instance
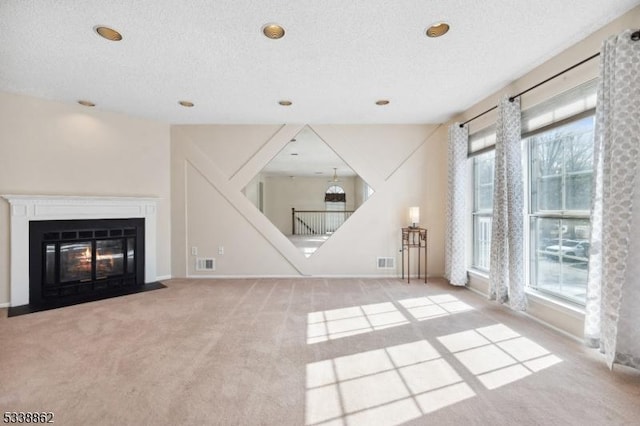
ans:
(567, 104)
(482, 139)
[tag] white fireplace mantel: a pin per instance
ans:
(26, 208)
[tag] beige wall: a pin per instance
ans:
(53, 148)
(212, 164)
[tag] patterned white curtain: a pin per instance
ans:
(612, 319)
(507, 263)
(455, 269)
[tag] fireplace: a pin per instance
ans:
(67, 247)
(72, 261)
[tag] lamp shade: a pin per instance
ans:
(414, 215)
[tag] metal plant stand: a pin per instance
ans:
(414, 238)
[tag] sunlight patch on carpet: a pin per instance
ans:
(386, 386)
(350, 321)
(497, 355)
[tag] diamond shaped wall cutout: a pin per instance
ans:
(307, 191)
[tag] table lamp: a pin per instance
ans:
(414, 216)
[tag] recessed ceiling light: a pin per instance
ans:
(437, 30)
(86, 103)
(382, 102)
(186, 104)
(108, 33)
(273, 31)
(285, 103)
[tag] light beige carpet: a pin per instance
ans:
(305, 352)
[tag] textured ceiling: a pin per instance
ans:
(337, 57)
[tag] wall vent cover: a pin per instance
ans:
(205, 264)
(386, 263)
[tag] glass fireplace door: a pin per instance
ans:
(109, 258)
(82, 260)
(75, 261)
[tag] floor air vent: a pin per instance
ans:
(205, 264)
(386, 263)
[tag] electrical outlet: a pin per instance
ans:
(220, 250)
(194, 251)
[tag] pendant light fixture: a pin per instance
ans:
(335, 175)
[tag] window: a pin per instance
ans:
(558, 155)
(560, 168)
(335, 194)
(334, 200)
(482, 208)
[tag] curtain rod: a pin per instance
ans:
(635, 36)
(514, 97)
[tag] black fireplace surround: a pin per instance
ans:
(76, 261)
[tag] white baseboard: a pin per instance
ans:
(413, 277)
(534, 318)
(554, 311)
(5, 305)
(305, 276)
(242, 276)
(365, 276)
(163, 277)
(553, 327)
(476, 291)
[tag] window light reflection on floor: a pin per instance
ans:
(386, 386)
(423, 308)
(497, 355)
(396, 384)
(338, 323)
